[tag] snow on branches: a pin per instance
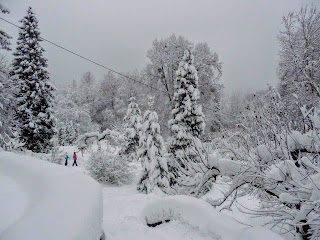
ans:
(187, 124)
(7, 133)
(132, 126)
(277, 164)
(34, 98)
(87, 139)
(151, 150)
(108, 168)
(4, 37)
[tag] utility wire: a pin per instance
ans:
(100, 65)
(87, 59)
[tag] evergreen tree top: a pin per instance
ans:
(30, 25)
(188, 56)
(133, 108)
(132, 99)
(187, 69)
(29, 63)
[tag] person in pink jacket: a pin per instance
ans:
(74, 159)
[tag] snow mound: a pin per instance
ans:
(61, 203)
(201, 215)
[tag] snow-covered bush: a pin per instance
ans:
(56, 155)
(151, 149)
(277, 164)
(106, 168)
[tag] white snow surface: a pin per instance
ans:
(123, 218)
(41, 201)
(202, 216)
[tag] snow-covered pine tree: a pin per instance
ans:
(67, 133)
(71, 132)
(151, 147)
(187, 124)
(61, 136)
(6, 132)
(34, 97)
(132, 126)
(5, 126)
(4, 37)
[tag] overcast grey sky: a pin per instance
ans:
(118, 33)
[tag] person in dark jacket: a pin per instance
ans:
(74, 159)
(66, 158)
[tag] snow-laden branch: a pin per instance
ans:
(88, 138)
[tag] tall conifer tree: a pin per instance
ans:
(187, 124)
(34, 96)
(132, 127)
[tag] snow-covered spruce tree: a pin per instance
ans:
(132, 126)
(187, 124)
(61, 136)
(7, 134)
(34, 97)
(4, 37)
(151, 147)
(5, 126)
(68, 133)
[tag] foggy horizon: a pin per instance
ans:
(118, 35)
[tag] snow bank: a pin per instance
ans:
(61, 203)
(201, 215)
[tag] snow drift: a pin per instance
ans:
(61, 203)
(201, 215)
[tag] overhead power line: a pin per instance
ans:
(98, 64)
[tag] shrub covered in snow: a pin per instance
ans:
(56, 155)
(277, 164)
(107, 168)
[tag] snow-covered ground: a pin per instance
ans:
(123, 218)
(41, 200)
(27, 199)
(13, 201)
(125, 212)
